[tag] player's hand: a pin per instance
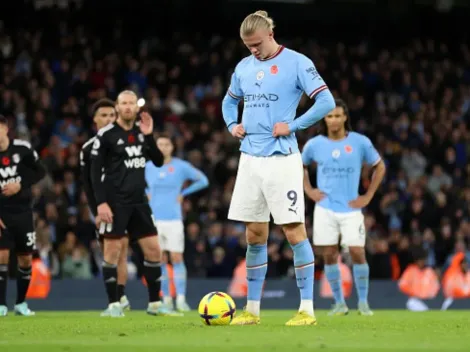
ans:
(281, 129)
(146, 123)
(360, 202)
(104, 213)
(238, 131)
(315, 194)
(180, 199)
(11, 189)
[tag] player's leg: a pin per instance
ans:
(22, 230)
(326, 238)
(176, 248)
(112, 246)
(283, 189)
(162, 228)
(4, 256)
(249, 205)
(354, 236)
(122, 274)
(142, 227)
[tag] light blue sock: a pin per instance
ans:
(165, 281)
(304, 262)
(361, 280)
(179, 273)
(256, 268)
(333, 275)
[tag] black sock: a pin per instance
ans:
(153, 273)
(23, 278)
(3, 284)
(110, 281)
(120, 291)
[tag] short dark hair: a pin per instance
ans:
(3, 120)
(339, 103)
(103, 103)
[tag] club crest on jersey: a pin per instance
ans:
(5, 161)
(274, 69)
(336, 153)
(141, 138)
(260, 75)
(96, 144)
(348, 149)
(16, 158)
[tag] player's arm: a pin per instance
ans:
(198, 179)
(33, 163)
(310, 81)
(308, 157)
(98, 156)
(152, 152)
(85, 171)
(371, 157)
(230, 107)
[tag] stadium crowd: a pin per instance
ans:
(412, 100)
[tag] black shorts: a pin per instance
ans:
(19, 233)
(135, 221)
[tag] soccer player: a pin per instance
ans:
(340, 154)
(166, 195)
(118, 157)
(104, 113)
(271, 82)
(20, 168)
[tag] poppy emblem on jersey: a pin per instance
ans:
(16, 158)
(260, 75)
(5, 161)
(274, 69)
(130, 139)
(171, 169)
(336, 153)
(348, 149)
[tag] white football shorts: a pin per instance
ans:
(269, 185)
(329, 225)
(171, 235)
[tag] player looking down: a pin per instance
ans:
(269, 181)
(340, 154)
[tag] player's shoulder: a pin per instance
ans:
(316, 140)
(21, 144)
(359, 137)
(244, 63)
(106, 130)
(88, 144)
(293, 55)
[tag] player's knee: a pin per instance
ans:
(330, 254)
(151, 248)
(176, 258)
(295, 233)
(112, 250)
(4, 255)
(358, 255)
(25, 261)
(257, 233)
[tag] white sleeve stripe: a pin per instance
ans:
(377, 162)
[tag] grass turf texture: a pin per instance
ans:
(386, 331)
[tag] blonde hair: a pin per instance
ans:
(255, 21)
(126, 92)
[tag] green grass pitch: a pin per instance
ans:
(87, 331)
